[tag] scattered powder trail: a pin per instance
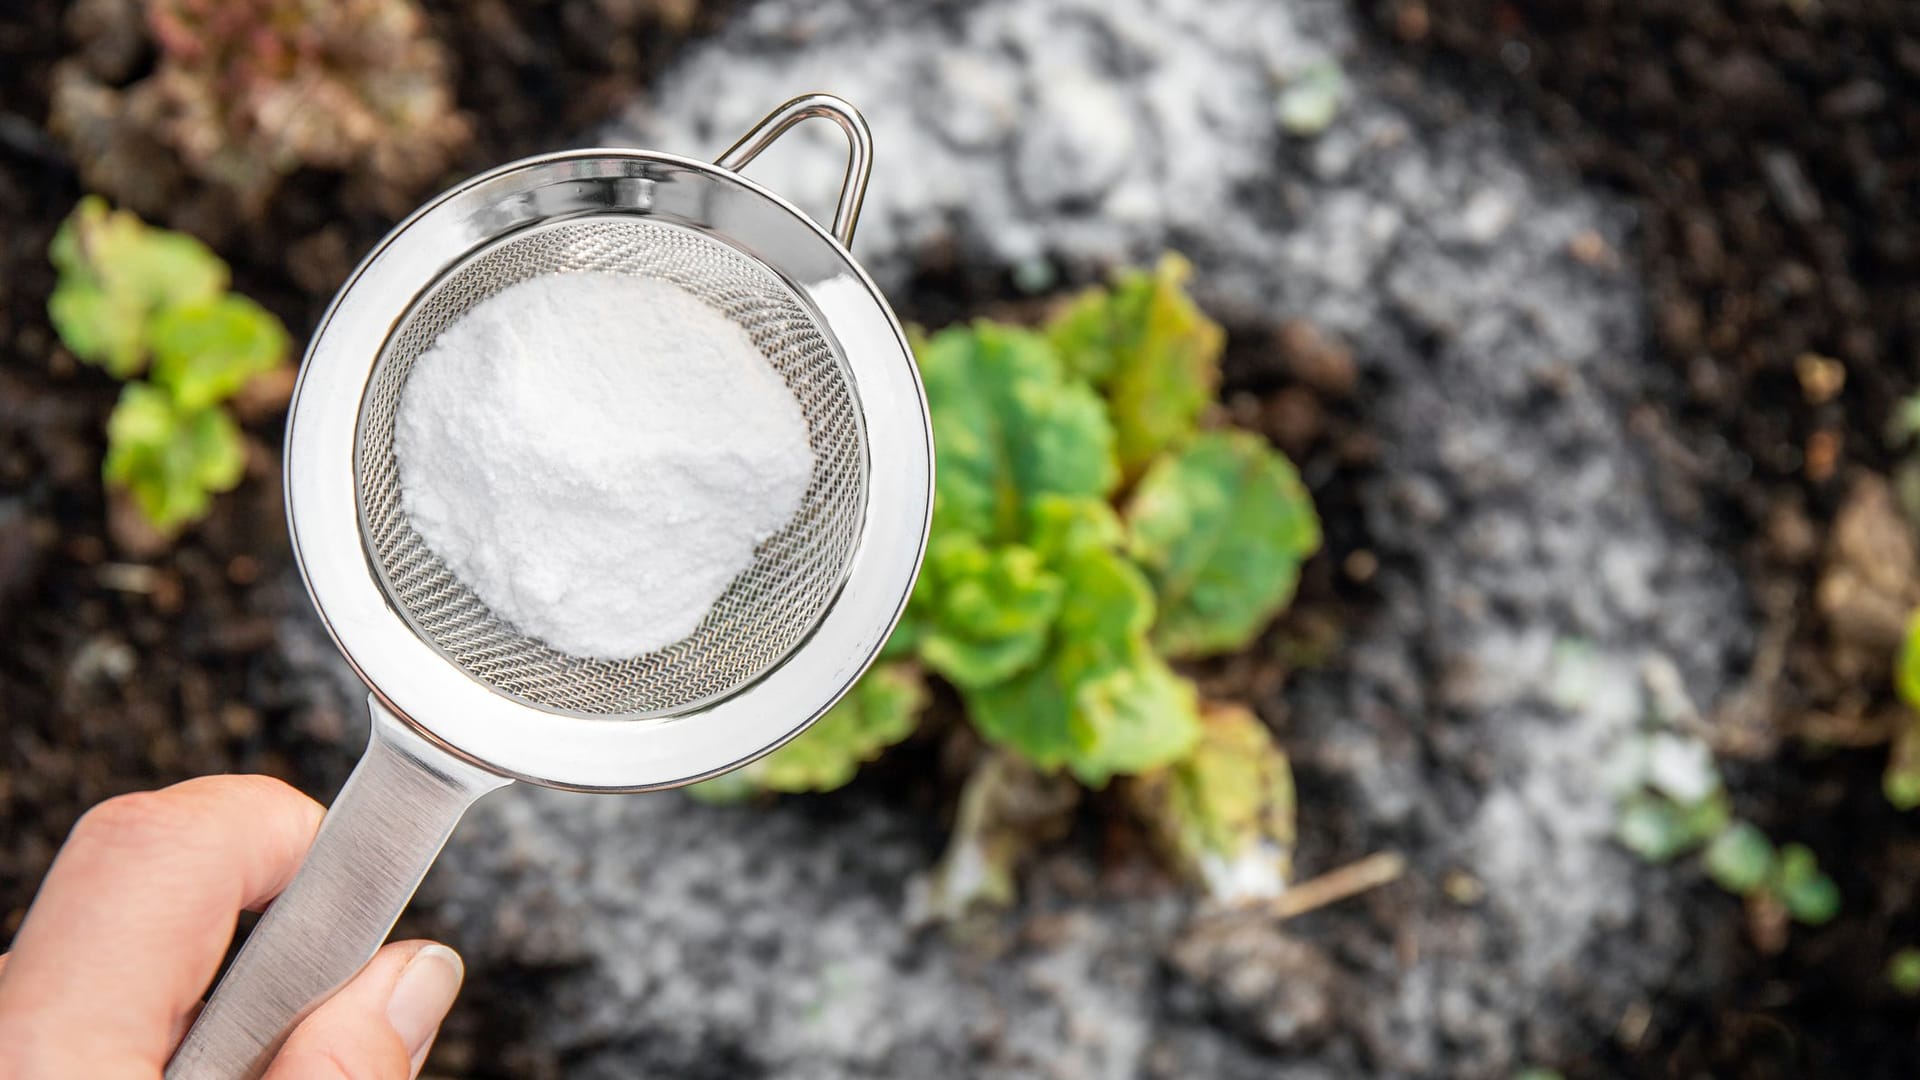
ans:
(597, 456)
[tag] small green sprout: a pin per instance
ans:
(1658, 829)
(1660, 826)
(1740, 859)
(1311, 99)
(1808, 895)
(131, 299)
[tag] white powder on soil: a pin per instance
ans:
(597, 456)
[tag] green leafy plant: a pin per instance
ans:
(133, 299)
(1674, 804)
(1087, 533)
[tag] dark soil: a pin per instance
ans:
(1775, 147)
(1775, 151)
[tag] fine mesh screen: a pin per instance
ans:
(767, 610)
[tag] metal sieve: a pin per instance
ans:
(462, 701)
(768, 609)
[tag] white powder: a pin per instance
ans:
(597, 456)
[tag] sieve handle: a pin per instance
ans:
(389, 822)
(853, 186)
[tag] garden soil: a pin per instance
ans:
(1531, 314)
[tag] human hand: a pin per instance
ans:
(108, 969)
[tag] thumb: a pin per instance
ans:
(380, 1025)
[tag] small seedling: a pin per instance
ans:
(1671, 811)
(1311, 99)
(132, 299)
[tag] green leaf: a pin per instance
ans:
(983, 613)
(1224, 814)
(103, 329)
(1134, 716)
(1221, 526)
(1029, 714)
(1146, 345)
(1656, 828)
(1740, 858)
(1009, 427)
(1037, 712)
(1061, 528)
(205, 351)
(1652, 828)
(879, 711)
(170, 459)
(1906, 674)
(1312, 99)
(1809, 896)
(1100, 702)
(116, 274)
(1903, 972)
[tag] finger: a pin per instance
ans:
(136, 913)
(379, 1026)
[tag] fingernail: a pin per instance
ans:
(423, 995)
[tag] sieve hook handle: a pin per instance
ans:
(853, 187)
(383, 831)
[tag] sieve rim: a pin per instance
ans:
(595, 753)
(381, 571)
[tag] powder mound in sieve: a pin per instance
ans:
(596, 456)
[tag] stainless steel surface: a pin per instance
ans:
(461, 702)
(379, 837)
(853, 186)
(509, 730)
(768, 609)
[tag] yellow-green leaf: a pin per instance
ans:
(1100, 702)
(1133, 716)
(1906, 675)
(116, 274)
(103, 329)
(171, 460)
(983, 613)
(206, 350)
(1221, 527)
(1153, 353)
(879, 711)
(1224, 814)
